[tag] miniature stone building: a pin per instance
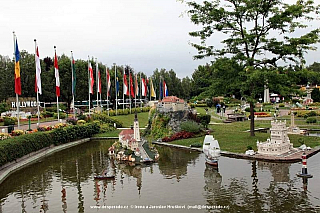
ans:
(279, 142)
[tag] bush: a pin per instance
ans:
(61, 115)
(190, 126)
(281, 105)
(9, 120)
(81, 122)
(198, 145)
(204, 119)
(311, 120)
(14, 148)
(107, 119)
(72, 121)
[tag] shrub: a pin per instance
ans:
(204, 119)
(17, 147)
(312, 113)
(281, 105)
(81, 122)
(61, 115)
(9, 120)
(190, 126)
(196, 145)
(4, 136)
(311, 120)
(107, 119)
(72, 120)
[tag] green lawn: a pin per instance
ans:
(114, 133)
(233, 138)
(127, 120)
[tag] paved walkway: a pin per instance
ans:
(34, 126)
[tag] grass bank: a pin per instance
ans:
(233, 138)
(127, 120)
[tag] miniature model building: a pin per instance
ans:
(279, 142)
(130, 138)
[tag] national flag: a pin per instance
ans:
(152, 92)
(161, 90)
(136, 86)
(91, 79)
(117, 86)
(38, 72)
(144, 87)
(131, 85)
(125, 85)
(108, 82)
(99, 87)
(56, 70)
(165, 89)
(74, 77)
(17, 79)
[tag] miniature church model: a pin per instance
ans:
(279, 142)
(130, 138)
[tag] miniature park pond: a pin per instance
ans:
(179, 182)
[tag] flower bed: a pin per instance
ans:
(262, 114)
(178, 136)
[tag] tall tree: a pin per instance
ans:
(252, 30)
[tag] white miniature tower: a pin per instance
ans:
(266, 95)
(136, 133)
(279, 142)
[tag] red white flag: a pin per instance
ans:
(131, 85)
(108, 83)
(144, 87)
(125, 85)
(99, 87)
(38, 72)
(56, 71)
(91, 79)
(136, 86)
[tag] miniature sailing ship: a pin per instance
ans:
(211, 149)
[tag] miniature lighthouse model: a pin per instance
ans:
(279, 142)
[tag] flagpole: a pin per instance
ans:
(35, 55)
(17, 96)
(123, 89)
(56, 94)
(130, 77)
(107, 89)
(73, 86)
(135, 91)
(97, 81)
(89, 83)
(140, 91)
(115, 81)
(150, 88)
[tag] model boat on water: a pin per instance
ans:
(211, 149)
(105, 175)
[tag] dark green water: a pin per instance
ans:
(179, 182)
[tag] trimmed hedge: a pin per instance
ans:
(14, 148)
(107, 119)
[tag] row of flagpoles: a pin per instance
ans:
(128, 90)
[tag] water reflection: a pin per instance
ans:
(64, 183)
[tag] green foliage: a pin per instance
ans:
(197, 145)
(281, 105)
(14, 148)
(190, 126)
(4, 107)
(159, 126)
(61, 115)
(104, 118)
(9, 120)
(209, 102)
(311, 120)
(315, 94)
(204, 119)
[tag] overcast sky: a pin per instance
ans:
(145, 34)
